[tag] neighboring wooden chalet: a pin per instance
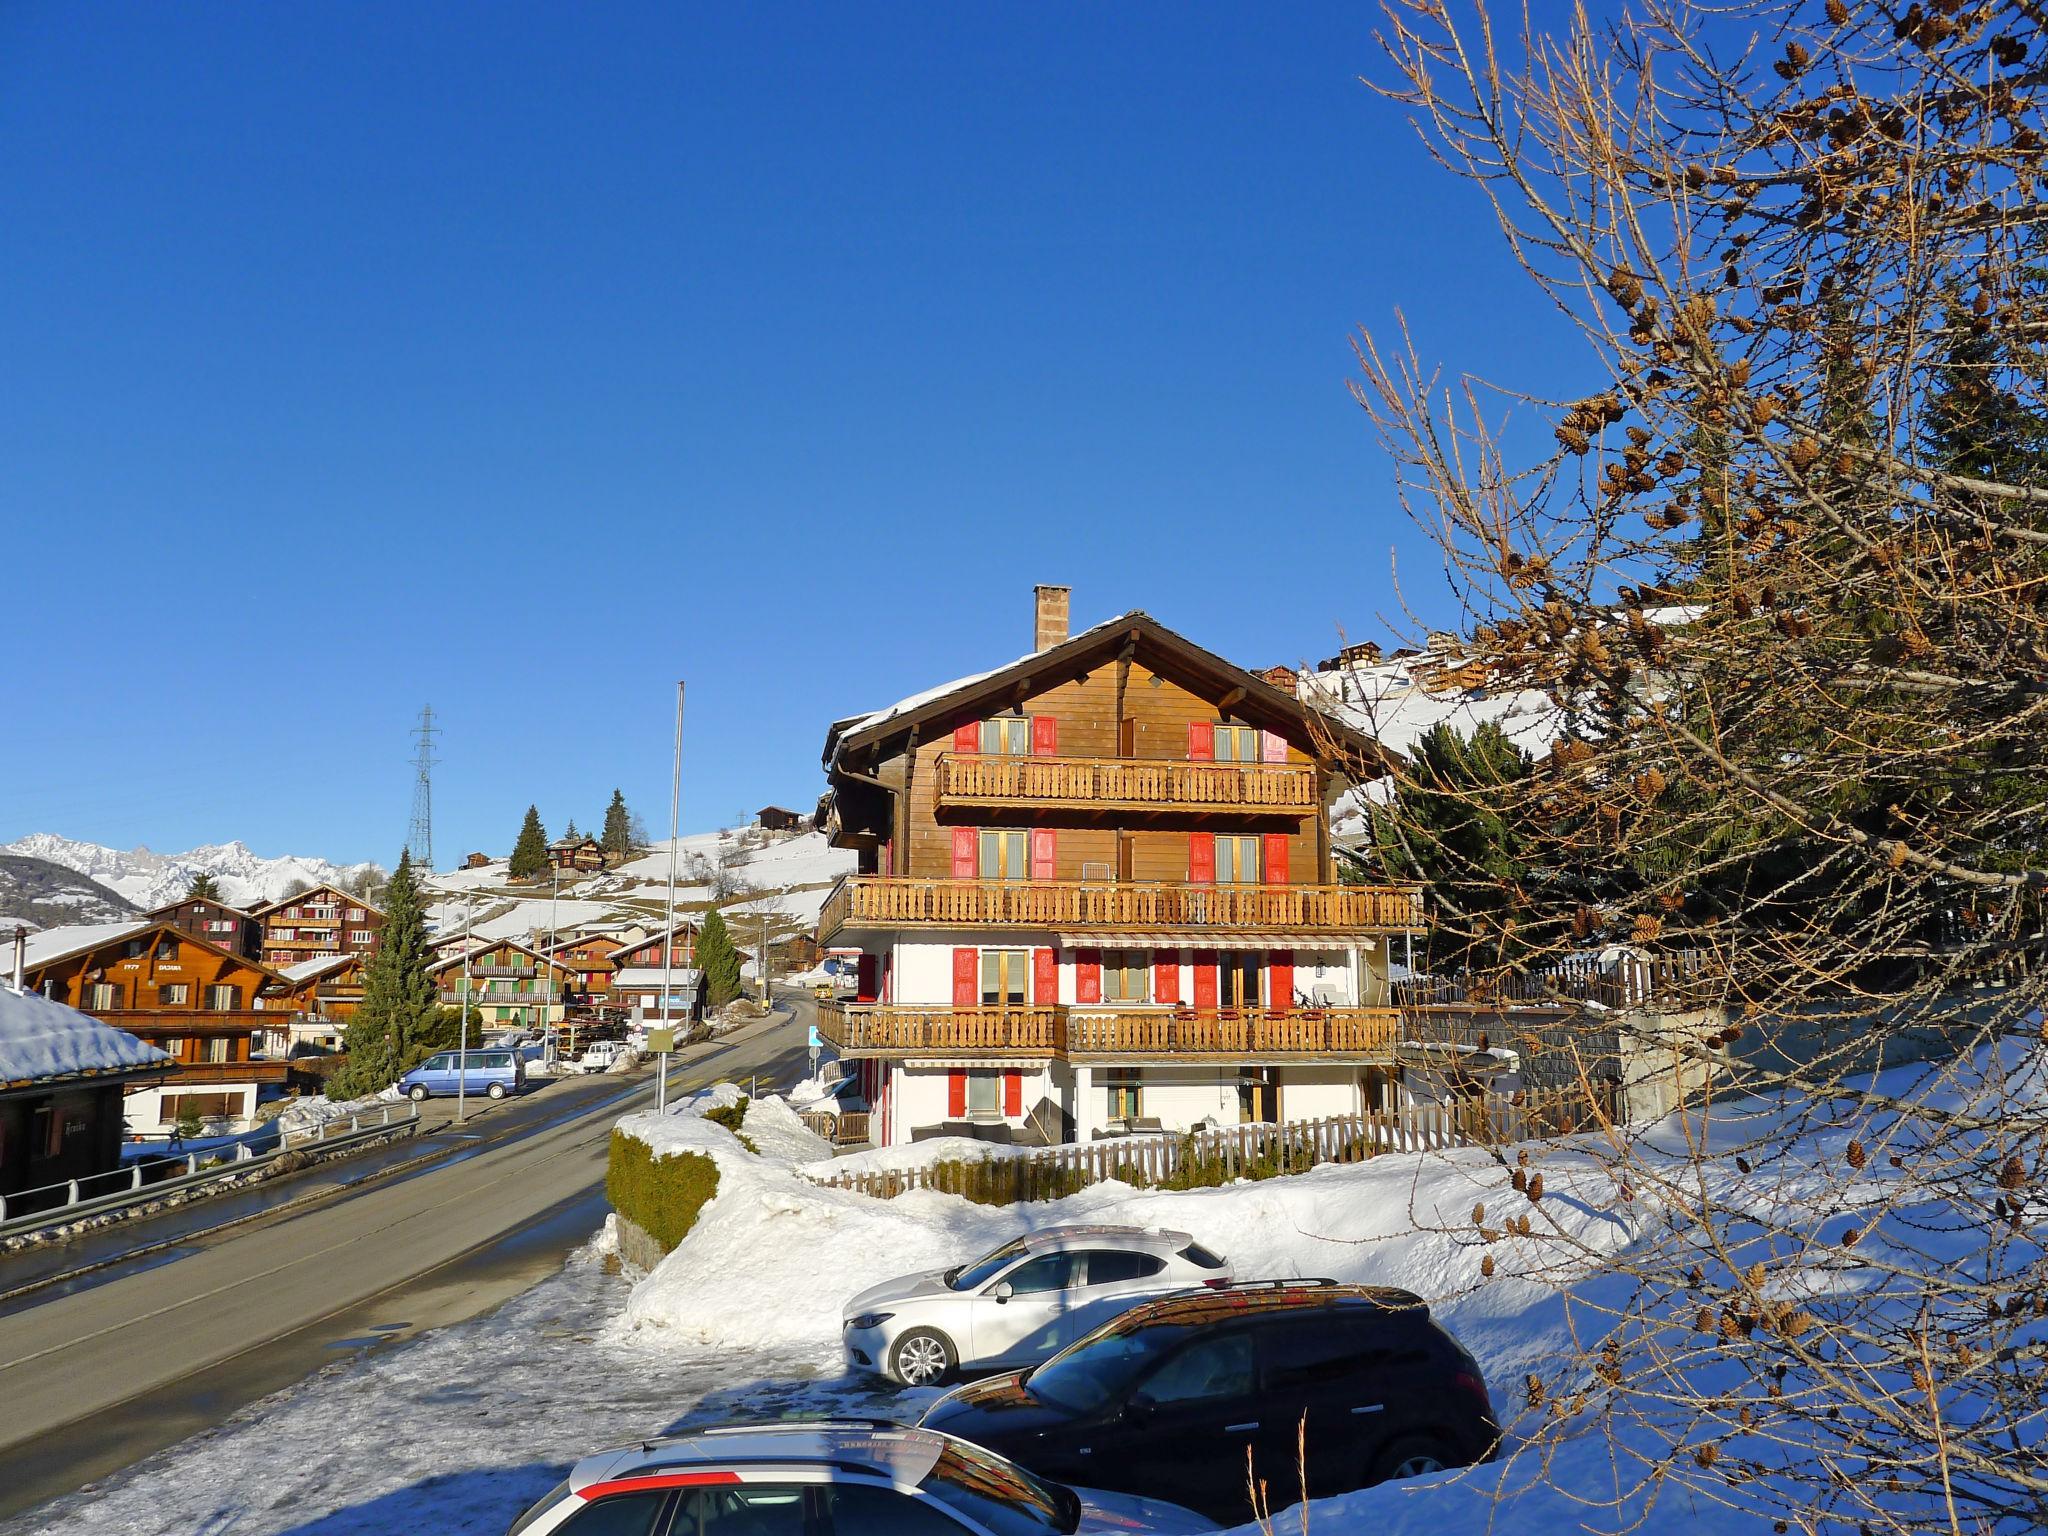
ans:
(1095, 894)
(637, 973)
(780, 818)
(64, 1078)
(593, 958)
(214, 921)
(316, 924)
(509, 982)
(201, 1004)
(576, 853)
(477, 861)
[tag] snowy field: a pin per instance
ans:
(456, 1431)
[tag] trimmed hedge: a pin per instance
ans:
(659, 1195)
(1006, 1180)
(732, 1117)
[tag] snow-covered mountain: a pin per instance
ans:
(36, 893)
(152, 879)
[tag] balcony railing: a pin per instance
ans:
(886, 901)
(883, 1029)
(877, 1027)
(481, 997)
(1088, 1031)
(1119, 783)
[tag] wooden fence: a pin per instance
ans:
(1240, 1151)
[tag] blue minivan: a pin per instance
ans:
(492, 1073)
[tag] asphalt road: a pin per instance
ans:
(100, 1372)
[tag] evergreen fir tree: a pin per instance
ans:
(203, 887)
(394, 1026)
(572, 834)
(718, 961)
(530, 852)
(617, 836)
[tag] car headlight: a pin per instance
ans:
(869, 1320)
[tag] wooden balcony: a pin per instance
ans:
(886, 1029)
(885, 901)
(478, 997)
(1124, 784)
(1231, 1034)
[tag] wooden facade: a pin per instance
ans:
(214, 921)
(593, 959)
(577, 853)
(509, 982)
(316, 923)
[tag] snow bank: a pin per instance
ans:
(41, 1038)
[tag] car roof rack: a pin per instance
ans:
(770, 1426)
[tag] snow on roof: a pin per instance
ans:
(55, 943)
(918, 700)
(650, 976)
(306, 970)
(41, 1040)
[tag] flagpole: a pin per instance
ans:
(668, 938)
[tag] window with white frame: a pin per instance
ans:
(105, 994)
(984, 1095)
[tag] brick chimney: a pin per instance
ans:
(1051, 616)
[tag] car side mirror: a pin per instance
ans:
(1003, 1291)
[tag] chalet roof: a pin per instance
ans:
(42, 1041)
(172, 906)
(309, 970)
(683, 926)
(650, 976)
(69, 943)
(575, 842)
(489, 944)
(311, 891)
(1136, 634)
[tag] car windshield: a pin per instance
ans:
(1100, 1368)
(973, 1276)
(998, 1494)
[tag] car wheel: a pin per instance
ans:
(1414, 1456)
(419, 1094)
(496, 1090)
(921, 1358)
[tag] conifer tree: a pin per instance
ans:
(572, 834)
(203, 887)
(717, 961)
(393, 1026)
(530, 852)
(617, 836)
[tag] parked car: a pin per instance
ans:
(829, 1479)
(600, 1056)
(1019, 1304)
(492, 1073)
(1174, 1393)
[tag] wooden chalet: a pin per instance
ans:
(315, 924)
(477, 861)
(201, 1004)
(214, 921)
(64, 1079)
(592, 957)
(637, 973)
(576, 853)
(509, 983)
(1095, 894)
(780, 818)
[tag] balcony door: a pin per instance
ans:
(1006, 736)
(1237, 744)
(1005, 856)
(1237, 861)
(1237, 981)
(1005, 974)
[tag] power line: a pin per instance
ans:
(419, 841)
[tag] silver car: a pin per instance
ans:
(1021, 1304)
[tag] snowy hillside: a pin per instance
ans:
(149, 879)
(39, 893)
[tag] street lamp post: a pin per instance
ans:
(462, 1056)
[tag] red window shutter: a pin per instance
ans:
(1045, 736)
(888, 980)
(1276, 858)
(1045, 978)
(966, 857)
(1280, 979)
(1205, 981)
(1166, 978)
(1272, 747)
(1201, 741)
(869, 979)
(956, 1095)
(966, 978)
(1201, 858)
(1045, 853)
(1087, 975)
(967, 738)
(1013, 1094)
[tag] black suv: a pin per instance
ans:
(1167, 1399)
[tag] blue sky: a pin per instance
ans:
(524, 359)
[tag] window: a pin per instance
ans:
(1125, 1096)
(997, 1495)
(1005, 856)
(1053, 1272)
(134, 949)
(1126, 976)
(224, 998)
(859, 1509)
(359, 935)
(1009, 736)
(973, 1276)
(105, 994)
(623, 1514)
(173, 994)
(1217, 1365)
(1196, 1254)
(1298, 1355)
(1237, 861)
(750, 1509)
(984, 1095)
(176, 1046)
(1113, 1266)
(1237, 981)
(1237, 744)
(355, 914)
(217, 1048)
(1005, 973)
(167, 950)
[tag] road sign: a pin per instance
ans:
(661, 1041)
(811, 1037)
